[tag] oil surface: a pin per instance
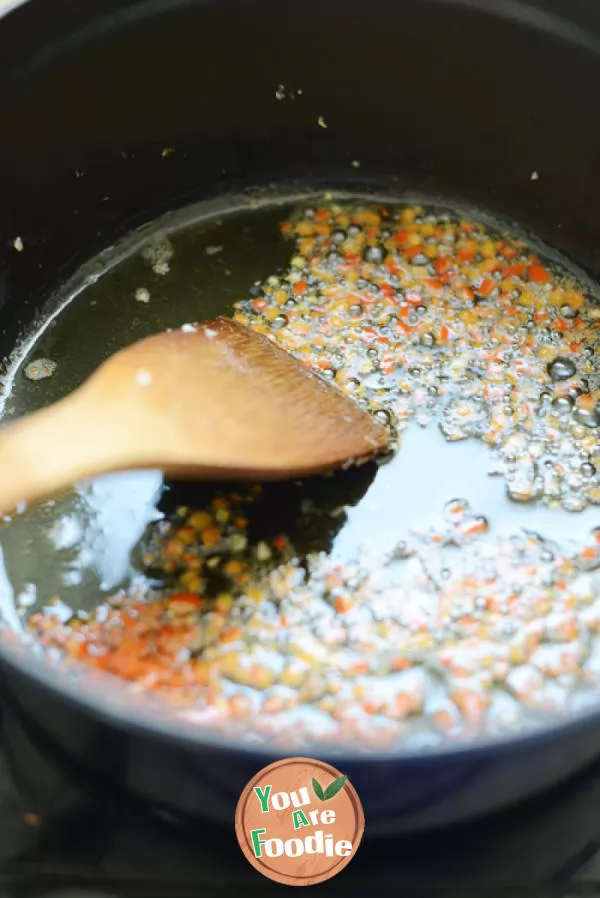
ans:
(80, 546)
(91, 543)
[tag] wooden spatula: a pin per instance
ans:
(209, 401)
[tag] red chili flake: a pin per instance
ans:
(392, 266)
(435, 284)
(300, 287)
(538, 274)
(411, 251)
(516, 270)
(486, 287)
(472, 528)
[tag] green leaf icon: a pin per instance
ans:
(318, 789)
(334, 787)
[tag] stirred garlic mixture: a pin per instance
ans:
(433, 322)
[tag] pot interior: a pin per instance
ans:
(125, 119)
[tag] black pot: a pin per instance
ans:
(456, 98)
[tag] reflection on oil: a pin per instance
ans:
(408, 493)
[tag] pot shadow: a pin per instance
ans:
(310, 512)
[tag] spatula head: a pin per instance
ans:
(219, 400)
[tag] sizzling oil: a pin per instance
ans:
(92, 542)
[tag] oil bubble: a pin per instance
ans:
(561, 368)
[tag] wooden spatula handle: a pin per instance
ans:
(210, 401)
(46, 452)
